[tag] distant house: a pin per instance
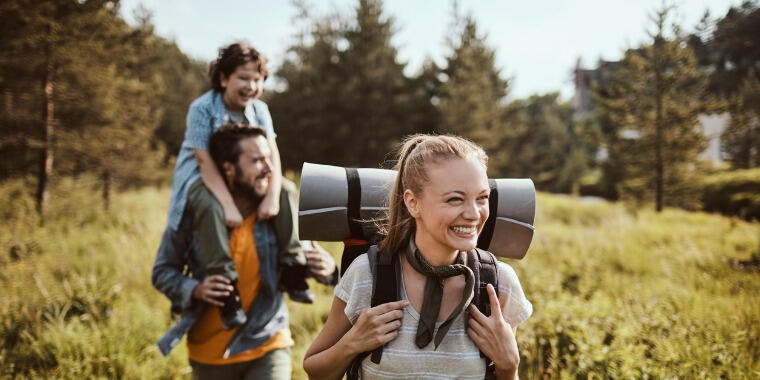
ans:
(713, 125)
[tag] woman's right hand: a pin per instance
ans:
(232, 216)
(375, 326)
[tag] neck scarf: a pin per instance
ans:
(431, 302)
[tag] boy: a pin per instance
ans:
(237, 80)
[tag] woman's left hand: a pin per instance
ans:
(493, 335)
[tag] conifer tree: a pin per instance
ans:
(472, 94)
(654, 101)
(374, 96)
(346, 97)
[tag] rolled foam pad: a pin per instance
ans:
(336, 204)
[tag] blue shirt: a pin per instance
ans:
(206, 115)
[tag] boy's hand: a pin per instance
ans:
(269, 207)
(232, 217)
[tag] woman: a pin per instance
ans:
(438, 206)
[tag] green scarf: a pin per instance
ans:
(431, 303)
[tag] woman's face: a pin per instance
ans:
(242, 86)
(453, 206)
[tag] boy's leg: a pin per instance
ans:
(214, 246)
(213, 238)
(292, 258)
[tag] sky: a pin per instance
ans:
(537, 42)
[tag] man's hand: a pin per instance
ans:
(269, 207)
(212, 288)
(321, 263)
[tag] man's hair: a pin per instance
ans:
(224, 145)
(232, 56)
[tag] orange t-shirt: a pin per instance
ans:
(207, 340)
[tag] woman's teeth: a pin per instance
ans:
(463, 230)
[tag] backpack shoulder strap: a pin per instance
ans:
(484, 266)
(385, 269)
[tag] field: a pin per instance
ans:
(618, 291)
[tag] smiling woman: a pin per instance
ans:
(437, 209)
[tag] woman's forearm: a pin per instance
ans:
(330, 363)
(213, 179)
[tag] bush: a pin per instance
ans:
(733, 193)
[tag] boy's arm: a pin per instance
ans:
(270, 205)
(215, 183)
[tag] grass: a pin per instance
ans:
(618, 292)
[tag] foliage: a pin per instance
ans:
(729, 48)
(114, 96)
(652, 105)
(472, 94)
(733, 193)
(540, 130)
(346, 99)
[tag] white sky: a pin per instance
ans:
(537, 42)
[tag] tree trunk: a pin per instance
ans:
(658, 156)
(46, 156)
(106, 189)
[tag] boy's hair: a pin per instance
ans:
(224, 144)
(232, 56)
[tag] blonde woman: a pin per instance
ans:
(438, 206)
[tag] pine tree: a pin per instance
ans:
(654, 101)
(374, 96)
(346, 100)
(472, 94)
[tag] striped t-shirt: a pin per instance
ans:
(457, 357)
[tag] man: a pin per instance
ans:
(260, 348)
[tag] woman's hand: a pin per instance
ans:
(269, 207)
(232, 216)
(375, 326)
(212, 288)
(494, 336)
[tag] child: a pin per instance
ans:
(237, 80)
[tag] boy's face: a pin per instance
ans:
(242, 86)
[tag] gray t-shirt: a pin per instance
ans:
(457, 357)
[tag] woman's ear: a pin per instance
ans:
(412, 203)
(223, 79)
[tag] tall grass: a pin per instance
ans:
(617, 292)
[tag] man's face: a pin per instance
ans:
(253, 169)
(242, 86)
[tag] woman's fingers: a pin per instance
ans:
(390, 306)
(494, 299)
(477, 315)
(389, 327)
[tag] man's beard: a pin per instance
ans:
(246, 191)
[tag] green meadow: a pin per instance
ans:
(618, 291)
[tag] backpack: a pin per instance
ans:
(385, 271)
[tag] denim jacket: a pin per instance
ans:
(177, 271)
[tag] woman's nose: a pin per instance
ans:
(471, 211)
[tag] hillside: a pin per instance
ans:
(618, 292)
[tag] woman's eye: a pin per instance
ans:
(483, 198)
(454, 200)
